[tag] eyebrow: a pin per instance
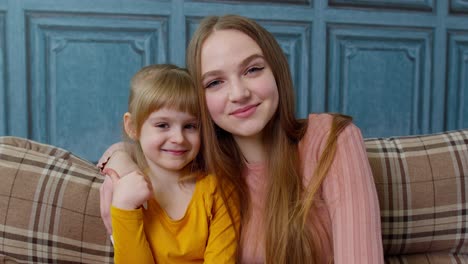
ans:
(243, 64)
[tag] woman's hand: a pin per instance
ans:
(119, 163)
(105, 196)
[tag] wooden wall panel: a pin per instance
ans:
(3, 74)
(382, 77)
(294, 39)
(457, 103)
(397, 66)
(425, 5)
(79, 63)
(285, 2)
(459, 6)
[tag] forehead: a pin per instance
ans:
(226, 47)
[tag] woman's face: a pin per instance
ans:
(240, 88)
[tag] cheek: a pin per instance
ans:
(269, 90)
(148, 144)
(195, 137)
(215, 104)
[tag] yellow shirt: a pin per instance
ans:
(205, 234)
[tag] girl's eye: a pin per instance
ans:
(161, 125)
(191, 126)
(212, 84)
(254, 69)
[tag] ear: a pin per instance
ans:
(129, 127)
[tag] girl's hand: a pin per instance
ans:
(130, 192)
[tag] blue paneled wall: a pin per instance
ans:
(399, 67)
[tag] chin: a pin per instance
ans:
(247, 132)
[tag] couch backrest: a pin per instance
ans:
(49, 209)
(423, 191)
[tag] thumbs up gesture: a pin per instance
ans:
(129, 192)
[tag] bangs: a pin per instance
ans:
(172, 89)
(177, 94)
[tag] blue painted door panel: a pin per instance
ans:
(80, 74)
(399, 67)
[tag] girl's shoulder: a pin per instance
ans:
(207, 180)
(212, 186)
(208, 184)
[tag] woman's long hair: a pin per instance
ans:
(287, 240)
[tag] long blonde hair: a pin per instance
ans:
(289, 202)
(155, 87)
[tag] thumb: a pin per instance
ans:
(113, 175)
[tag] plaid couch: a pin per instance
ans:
(49, 201)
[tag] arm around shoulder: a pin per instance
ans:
(118, 158)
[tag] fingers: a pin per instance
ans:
(105, 196)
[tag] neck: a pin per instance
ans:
(252, 148)
(165, 177)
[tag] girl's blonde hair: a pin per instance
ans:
(289, 202)
(160, 86)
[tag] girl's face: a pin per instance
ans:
(240, 88)
(169, 139)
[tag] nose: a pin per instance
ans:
(177, 136)
(238, 91)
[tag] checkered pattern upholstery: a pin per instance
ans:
(49, 206)
(423, 194)
(49, 201)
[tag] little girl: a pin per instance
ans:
(173, 212)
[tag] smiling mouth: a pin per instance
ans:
(175, 152)
(245, 111)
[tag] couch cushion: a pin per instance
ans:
(428, 258)
(49, 206)
(423, 191)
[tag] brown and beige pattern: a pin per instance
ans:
(49, 206)
(421, 183)
(49, 201)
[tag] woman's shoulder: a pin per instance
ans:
(319, 125)
(318, 129)
(319, 121)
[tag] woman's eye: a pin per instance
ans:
(254, 69)
(212, 84)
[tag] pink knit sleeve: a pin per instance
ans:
(353, 203)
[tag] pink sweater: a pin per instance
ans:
(351, 212)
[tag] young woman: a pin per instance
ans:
(185, 219)
(306, 188)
